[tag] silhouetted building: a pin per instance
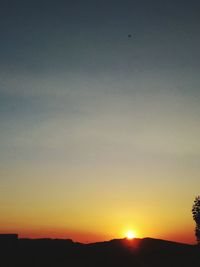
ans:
(8, 237)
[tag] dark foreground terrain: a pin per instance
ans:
(145, 252)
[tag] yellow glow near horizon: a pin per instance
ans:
(130, 234)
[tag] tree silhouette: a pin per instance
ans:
(196, 217)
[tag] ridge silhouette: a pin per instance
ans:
(117, 252)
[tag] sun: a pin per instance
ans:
(130, 235)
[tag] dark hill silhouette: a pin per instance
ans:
(145, 252)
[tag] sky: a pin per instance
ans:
(99, 130)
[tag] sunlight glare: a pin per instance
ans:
(130, 235)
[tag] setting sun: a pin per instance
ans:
(130, 235)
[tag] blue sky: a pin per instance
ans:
(83, 105)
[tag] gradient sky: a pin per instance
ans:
(99, 131)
